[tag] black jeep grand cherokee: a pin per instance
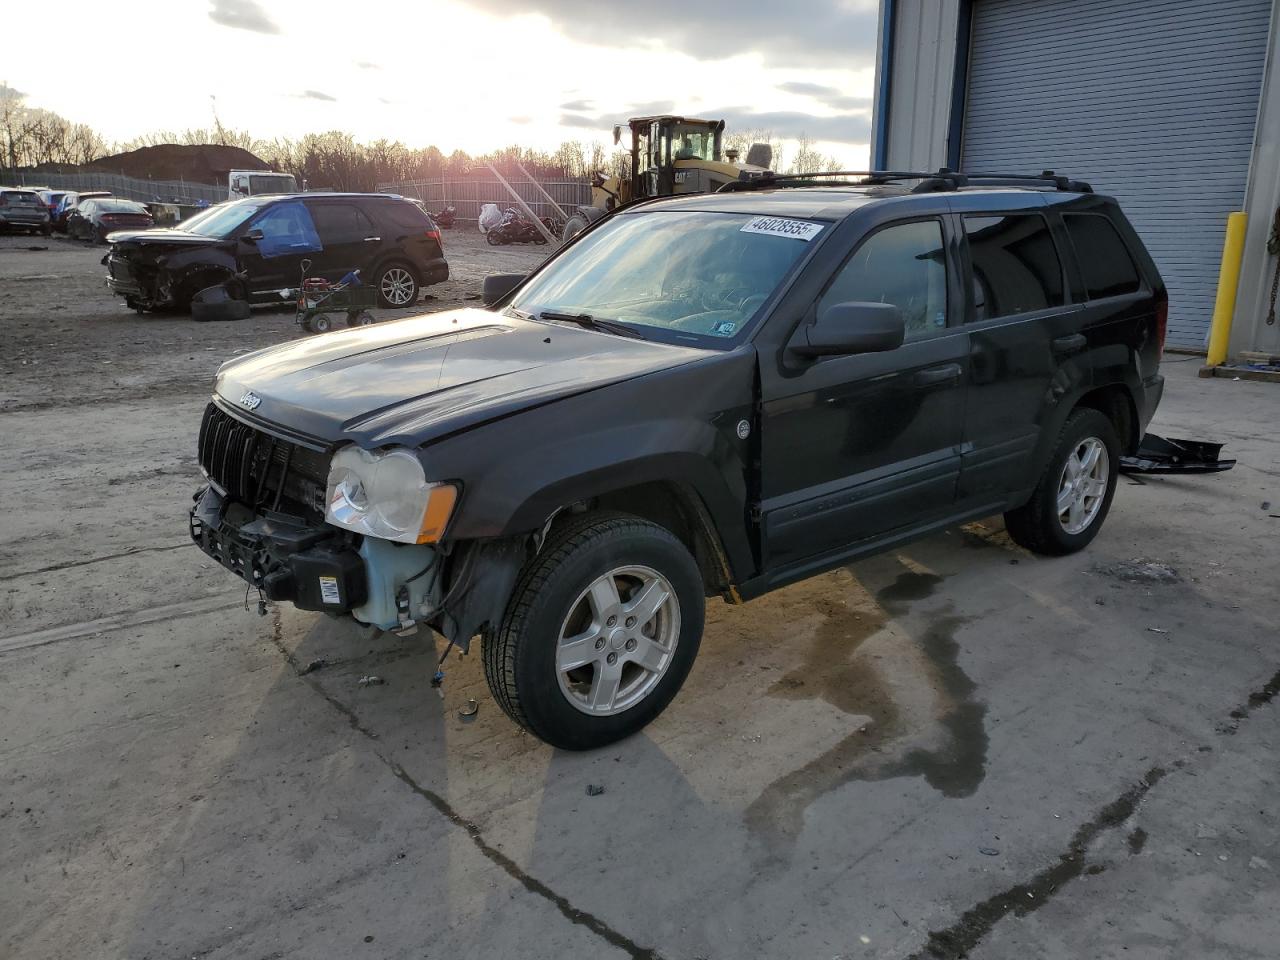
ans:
(699, 396)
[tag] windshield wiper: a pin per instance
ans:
(588, 322)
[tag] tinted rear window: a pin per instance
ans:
(340, 222)
(1105, 261)
(401, 212)
(20, 197)
(113, 205)
(1016, 268)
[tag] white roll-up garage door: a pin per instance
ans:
(1152, 101)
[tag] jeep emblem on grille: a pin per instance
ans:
(250, 400)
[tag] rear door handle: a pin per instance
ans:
(933, 376)
(371, 239)
(1072, 343)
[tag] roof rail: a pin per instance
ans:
(931, 182)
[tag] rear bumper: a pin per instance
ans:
(1152, 391)
(435, 271)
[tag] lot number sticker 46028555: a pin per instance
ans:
(781, 227)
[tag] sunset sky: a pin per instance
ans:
(471, 75)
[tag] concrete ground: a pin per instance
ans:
(955, 750)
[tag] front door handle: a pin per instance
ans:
(371, 239)
(934, 376)
(1072, 343)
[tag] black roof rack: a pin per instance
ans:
(932, 182)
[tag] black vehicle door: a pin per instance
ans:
(349, 238)
(286, 236)
(1023, 332)
(857, 446)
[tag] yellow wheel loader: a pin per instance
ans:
(669, 155)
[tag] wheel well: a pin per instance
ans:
(1115, 403)
(678, 508)
(193, 281)
(397, 260)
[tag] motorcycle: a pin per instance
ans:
(515, 228)
(444, 219)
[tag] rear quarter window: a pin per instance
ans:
(1105, 262)
(401, 213)
(1016, 268)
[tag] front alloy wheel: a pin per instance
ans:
(618, 640)
(599, 633)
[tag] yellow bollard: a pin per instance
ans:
(1224, 307)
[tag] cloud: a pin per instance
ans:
(827, 32)
(241, 15)
(521, 119)
(789, 124)
(578, 121)
(809, 89)
(368, 65)
(577, 106)
(651, 108)
(316, 95)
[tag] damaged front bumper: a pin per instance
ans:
(318, 567)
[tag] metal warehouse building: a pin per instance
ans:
(1171, 106)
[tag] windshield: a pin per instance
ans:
(220, 221)
(686, 275)
(272, 183)
(692, 142)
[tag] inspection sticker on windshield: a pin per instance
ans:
(781, 227)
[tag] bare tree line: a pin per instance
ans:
(31, 137)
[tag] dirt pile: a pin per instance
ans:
(201, 163)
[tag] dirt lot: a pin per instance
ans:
(955, 750)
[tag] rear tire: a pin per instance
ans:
(585, 584)
(397, 286)
(1074, 493)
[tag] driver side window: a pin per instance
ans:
(904, 264)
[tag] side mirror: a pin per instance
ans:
(855, 327)
(253, 236)
(498, 285)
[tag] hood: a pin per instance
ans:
(170, 236)
(414, 380)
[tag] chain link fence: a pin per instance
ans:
(130, 188)
(469, 195)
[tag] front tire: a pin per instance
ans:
(599, 633)
(1073, 495)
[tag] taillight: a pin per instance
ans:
(434, 234)
(1162, 323)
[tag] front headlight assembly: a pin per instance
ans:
(387, 495)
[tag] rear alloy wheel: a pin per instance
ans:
(397, 286)
(599, 633)
(1074, 493)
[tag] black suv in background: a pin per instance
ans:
(699, 396)
(393, 243)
